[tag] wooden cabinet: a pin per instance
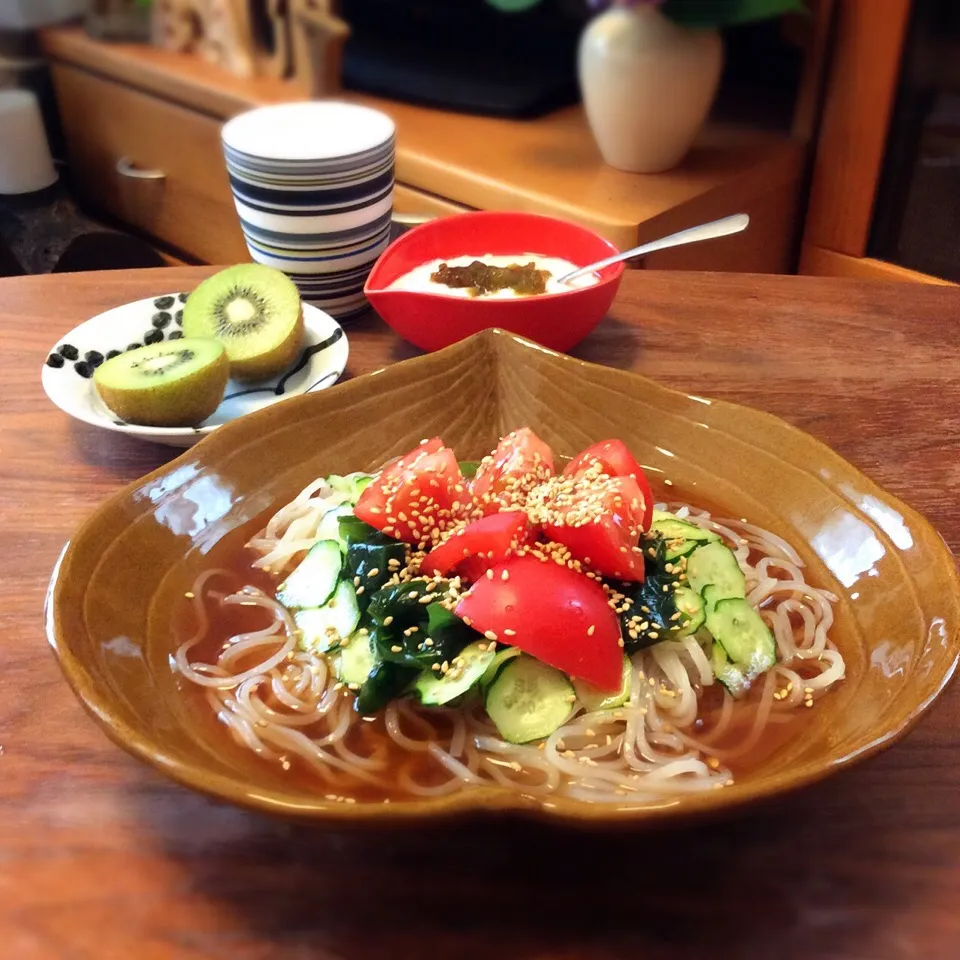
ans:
(151, 110)
(151, 164)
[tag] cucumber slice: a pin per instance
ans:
(351, 485)
(329, 526)
(731, 676)
(745, 638)
(593, 698)
(693, 611)
(529, 700)
(670, 528)
(712, 596)
(467, 669)
(355, 659)
(312, 583)
(714, 564)
(325, 627)
(497, 663)
(680, 537)
(675, 549)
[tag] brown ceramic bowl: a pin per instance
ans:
(898, 616)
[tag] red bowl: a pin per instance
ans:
(432, 320)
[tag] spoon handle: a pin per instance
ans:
(706, 231)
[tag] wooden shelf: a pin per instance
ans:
(550, 165)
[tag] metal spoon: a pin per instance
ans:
(706, 231)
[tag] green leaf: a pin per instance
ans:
(386, 682)
(369, 550)
(401, 605)
(723, 13)
(469, 468)
(513, 6)
(650, 601)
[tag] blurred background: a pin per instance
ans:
(836, 126)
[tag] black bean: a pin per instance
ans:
(182, 297)
(83, 368)
(175, 335)
(93, 357)
(68, 351)
(112, 354)
(161, 320)
(154, 336)
(134, 346)
(178, 318)
(164, 303)
(55, 360)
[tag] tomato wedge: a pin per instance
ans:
(615, 461)
(417, 496)
(599, 519)
(479, 545)
(505, 478)
(553, 613)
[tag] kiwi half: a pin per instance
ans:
(175, 384)
(255, 312)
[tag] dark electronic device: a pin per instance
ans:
(463, 55)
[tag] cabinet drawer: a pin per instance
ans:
(190, 207)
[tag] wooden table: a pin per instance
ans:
(103, 859)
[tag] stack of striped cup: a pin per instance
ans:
(313, 186)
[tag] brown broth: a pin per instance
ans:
(232, 555)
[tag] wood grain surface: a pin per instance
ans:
(103, 859)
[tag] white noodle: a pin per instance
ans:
(282, 703)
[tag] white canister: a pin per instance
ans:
(25, 162)
(647, 86)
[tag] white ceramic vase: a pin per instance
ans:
(647, 86)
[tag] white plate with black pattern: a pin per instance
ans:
(68, 370)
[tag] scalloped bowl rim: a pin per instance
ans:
(483, 799)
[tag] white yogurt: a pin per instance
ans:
(418, 279)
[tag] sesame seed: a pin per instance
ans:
(189, 594)
(396, 649)
(490, 635)
(510, 633)
(387, 621)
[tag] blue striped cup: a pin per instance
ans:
(313, 187)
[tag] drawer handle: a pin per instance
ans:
(126, 168)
